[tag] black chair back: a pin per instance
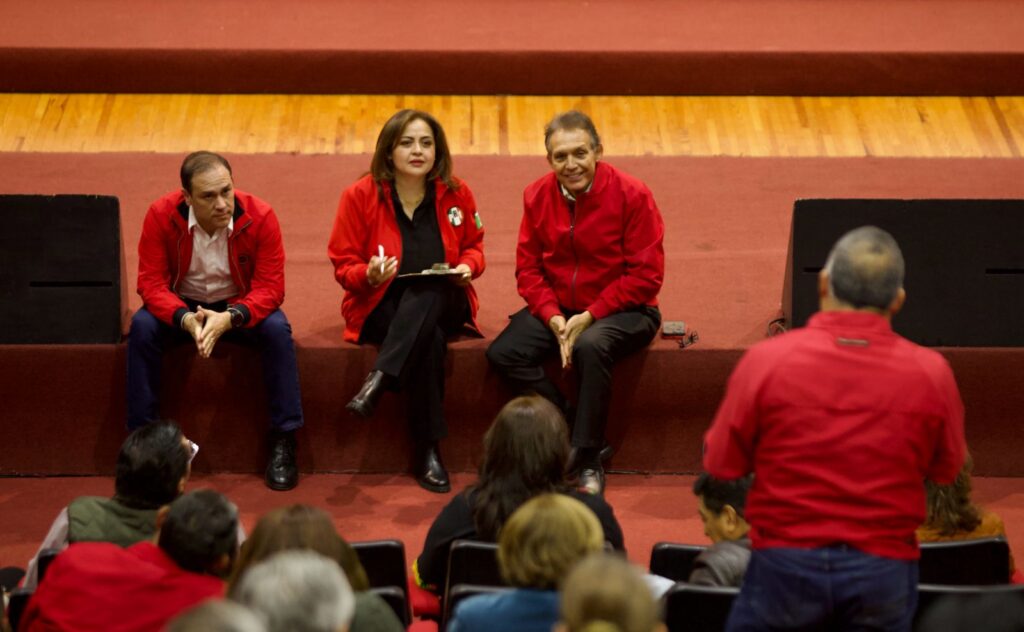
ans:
(16, 606)
(472, 562)
(43, 561)
(674, 561)
(384, 563)
(981, 562)
(461, 592)
(943, 608)
(690, 608)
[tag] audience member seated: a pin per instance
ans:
(152, 469)
(217, 616)
(539, 545)
(952, 515)
(101, 586)
(605, 593)
(309, 528)
(721, 509)
(297, 591)
(525, 453)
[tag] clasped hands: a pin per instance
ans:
(206, 327)
(377, 273)
(567, 331)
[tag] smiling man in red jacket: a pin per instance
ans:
(211, 264)
(589, 264)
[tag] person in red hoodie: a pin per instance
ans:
(589, 264)
(101, 586)
(211, 264)
(409, 214)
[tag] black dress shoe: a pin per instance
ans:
(431, 474)
(591, 480)
(282, 472)
(365, 401)
(579, 457)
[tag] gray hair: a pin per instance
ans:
(298, 591)
(573, 119)
(217, 615)
(865, 268)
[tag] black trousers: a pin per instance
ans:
(518, 352)
(412, 324)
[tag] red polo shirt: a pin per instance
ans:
(841, 422)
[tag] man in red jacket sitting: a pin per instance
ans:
(211, 264)
(589, 264)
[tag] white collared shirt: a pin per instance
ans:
(569, 196)
(208, 279)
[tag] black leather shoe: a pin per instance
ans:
(365, 401)
(431, 474)
(592, 480)
(282, 472)
(577, 457)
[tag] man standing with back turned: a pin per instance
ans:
(211, 264)
(841, 422)
(589, 264)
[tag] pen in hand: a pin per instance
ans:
(380, 255)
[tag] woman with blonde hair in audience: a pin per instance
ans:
(525, 452)
(952, 516)
(302, 527)
(605, 593)
(538, 546)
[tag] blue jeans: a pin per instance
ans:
(830, 588)
(273, 336)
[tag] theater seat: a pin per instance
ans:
(674, 561)
(384, 562)
(980, 562)
(937, 604)
(690, 608)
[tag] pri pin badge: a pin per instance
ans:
(455, 216)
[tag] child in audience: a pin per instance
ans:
(538, 546)
(525, 453)
(604, 593)
(309, 528)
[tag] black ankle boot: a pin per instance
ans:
(282, 471)
(430, 472)
(365, 401)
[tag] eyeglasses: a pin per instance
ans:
(193, 449)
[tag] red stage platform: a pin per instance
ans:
(727, 230)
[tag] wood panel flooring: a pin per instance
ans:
(976, 127)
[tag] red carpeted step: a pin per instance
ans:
(802, 47)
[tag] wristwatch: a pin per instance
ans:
(237, 318)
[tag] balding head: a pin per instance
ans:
(864, 271)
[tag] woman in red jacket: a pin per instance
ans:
(407, 215)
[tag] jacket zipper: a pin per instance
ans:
(575, 256)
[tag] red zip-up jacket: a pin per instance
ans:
(364, 221)
(255, 253)
(604, 257)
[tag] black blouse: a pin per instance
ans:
(421, 237)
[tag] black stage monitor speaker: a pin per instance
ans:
(60, 269)
(964, 258)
